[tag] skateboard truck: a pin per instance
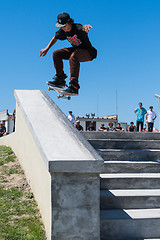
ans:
(59, 95)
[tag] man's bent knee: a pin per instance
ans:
(56, 54)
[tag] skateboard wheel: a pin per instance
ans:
(69, 98)
(49, 89)
(58, 96)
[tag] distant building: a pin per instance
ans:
(7, 119)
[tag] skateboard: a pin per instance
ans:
(60, 93)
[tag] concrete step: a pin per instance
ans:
(131, 167)
(124, 144)
(130, 181)
(122, 135)
(130, 224)
(129, 199)
(130, 154)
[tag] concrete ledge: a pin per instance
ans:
(63, 148)
(60, 165)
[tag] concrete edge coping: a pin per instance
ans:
(94, 165)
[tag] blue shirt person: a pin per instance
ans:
(140, 112)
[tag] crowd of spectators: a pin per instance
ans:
(140, 111)
(143, 114)
(111, 128)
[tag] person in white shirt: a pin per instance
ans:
(150, 117)
(111, 128)
(71, 117)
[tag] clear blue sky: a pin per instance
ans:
(125, 32)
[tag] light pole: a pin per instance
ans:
(158, 96)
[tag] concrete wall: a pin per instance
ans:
(76, 207)
(60, 165)
(25, 148)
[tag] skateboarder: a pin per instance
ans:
(81, 51)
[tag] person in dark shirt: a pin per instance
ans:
(102, 127)
(91, 127)
(78, 126)
(119, 128)
(81, 51)
(132, 127)
(2, 129)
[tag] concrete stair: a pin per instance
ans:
(122, 135)
(130, 181)
(130, 184)
(124, 144)
(130, 224)
(130, 199)
(130, 154)
(131, 167)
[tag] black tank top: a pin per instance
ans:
(131, 129)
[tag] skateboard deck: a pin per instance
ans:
(60, 93)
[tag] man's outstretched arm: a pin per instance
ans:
(44, 51)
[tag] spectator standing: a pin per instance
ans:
(71, 117)
(132, 127)
(102, 128)
(2, 129)
(14, 118)
(78, 126)
(150, 118)
(140, 112)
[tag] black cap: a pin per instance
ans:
(62, 19)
